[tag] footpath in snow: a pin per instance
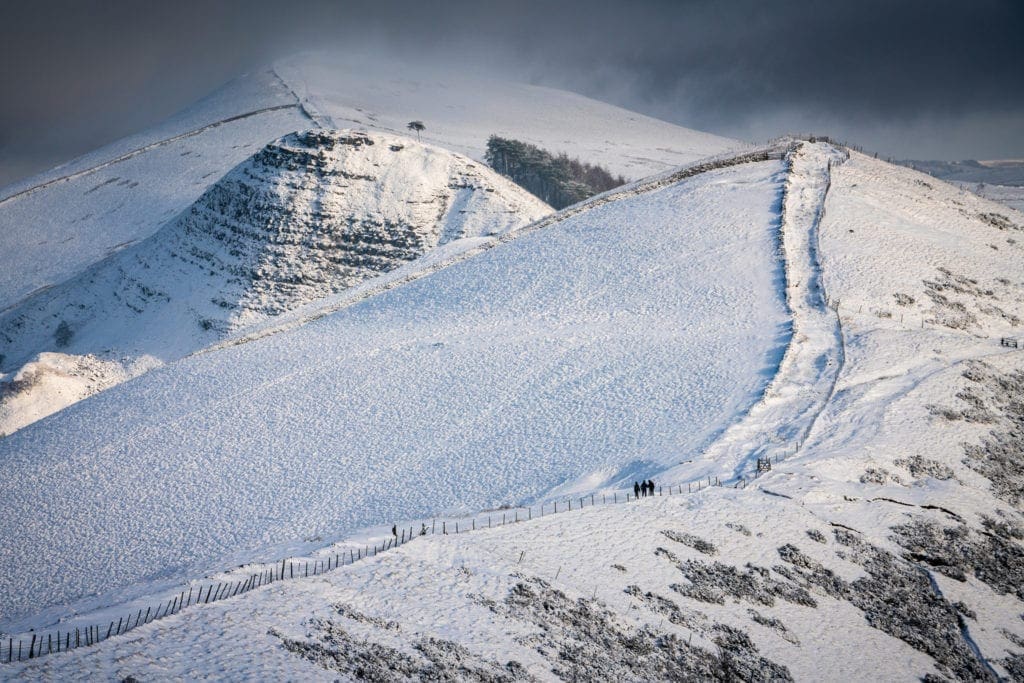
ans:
(777, 425)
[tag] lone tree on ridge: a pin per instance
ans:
(416, 126)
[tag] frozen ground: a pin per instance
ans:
(892, 525)
(600, 348)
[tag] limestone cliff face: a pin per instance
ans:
(314, 213)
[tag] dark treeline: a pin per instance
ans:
(557, 179)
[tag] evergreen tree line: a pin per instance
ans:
(557, 179)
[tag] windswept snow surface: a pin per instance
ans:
(599, 349)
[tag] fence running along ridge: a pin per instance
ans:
(38, 645)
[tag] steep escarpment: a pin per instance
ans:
(309, 215)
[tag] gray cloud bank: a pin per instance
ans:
(910, 78)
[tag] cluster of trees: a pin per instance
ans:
(557, 179)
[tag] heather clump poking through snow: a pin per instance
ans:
(995, 557)
(993, 398)
(901, 599)
(714, 582)
(430, 659)
(585, 641)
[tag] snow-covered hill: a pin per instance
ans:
(598, 348)
(307, 216)
(56, 224)
(833, 313)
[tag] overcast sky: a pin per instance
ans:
(914, 79)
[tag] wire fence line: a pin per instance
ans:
(34, 645)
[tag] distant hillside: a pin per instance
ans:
(1001, 181)
(1001, 172)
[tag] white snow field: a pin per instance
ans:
(602, 347)
(885, 543)
(309, 215)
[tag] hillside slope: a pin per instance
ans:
(56, 224)
(598, 348)
(307, 216)
(890, 523)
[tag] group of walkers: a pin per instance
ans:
(643, 488)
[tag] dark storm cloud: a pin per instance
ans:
(921, 79)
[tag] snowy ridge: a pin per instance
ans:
(309, 215)
(532, 349)
(141, 150)
(896, 529)
(778, 425)
(128, 190)
(444, 259)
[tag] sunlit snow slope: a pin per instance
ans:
(597, 349)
